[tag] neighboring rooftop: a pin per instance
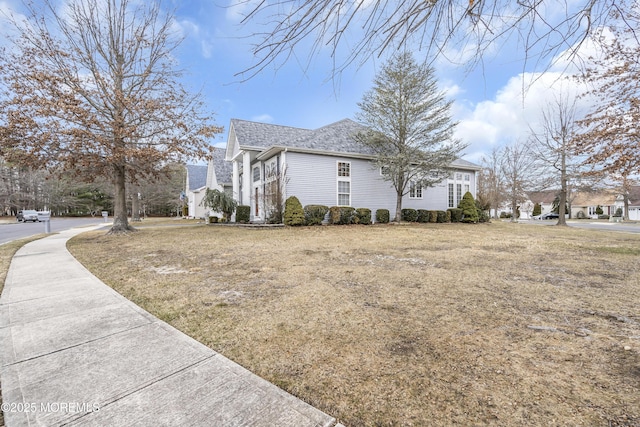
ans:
(222, 168)
(197, 176)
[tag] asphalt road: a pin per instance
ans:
(620, 227)
(13, 230)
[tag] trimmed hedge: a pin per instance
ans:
(433, 216)
(363, 216)
(243, 213)
(441, 216)
(455, 213)
(423, 215)
(314, 214)
(409, 215)
(293, 212)
(382, 216)
(341, 215)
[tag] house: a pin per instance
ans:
(324, 166)
(634, 203)
(585, 204)
(215, 175)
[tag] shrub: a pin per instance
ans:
(441, 216)
(382, 216)
(504, 215)
(347, 215)
(213, 219)
(334, 215)
(599, 210)
(433, 216)
(293, 212)
(581, 215)
(314, 214)
(243, 213)
(423, 215)
(456, 214)
(618, 212)
(469, 210)
(409, 215)
(448, 212)
(363, 216)
(603, 216)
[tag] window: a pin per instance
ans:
(344, 193)
(415, 190)
(344, 169)
(467, 177)
(466, 188)
(459, 192)
(451, 199)
(256, 174)
(344, 184)
(459, 176)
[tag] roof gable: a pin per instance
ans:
(196, 176)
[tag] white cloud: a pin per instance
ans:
(262, 118)
(237, 10)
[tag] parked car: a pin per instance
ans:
(550, 215)
(27, 215)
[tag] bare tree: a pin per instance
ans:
(354, 31)
(411, 129)
(517, 165)
(554, 147)
(491, 184)
(609, 135)
(94, 91)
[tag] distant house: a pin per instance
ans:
(324, 166)
(585, 204)
(215, 175)
(634, 203)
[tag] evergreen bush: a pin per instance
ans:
(456, 214)
(433, 216)
(293, 212)
(347, 215)
(243, 213)
(314, 214)
(423, 215)
(468, 207)
(537, 209)
(363, 216)
(382, 216)
(409, 215)
(441, 216)
(334, 215)
(599, 210)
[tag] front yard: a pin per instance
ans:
(422, 324)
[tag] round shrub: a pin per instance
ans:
(314, 214)
(441, 216)
(433, 216)
(382, 216)
(347, 215)
(293, 212)
(409, 215)
(334, 215)
(423, 215)
(363, 216)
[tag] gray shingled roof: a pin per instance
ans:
(223, 168)
(197, 176)
(336, 137)
(265, 135)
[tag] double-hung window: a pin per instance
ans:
(415, 190)
(344, 183)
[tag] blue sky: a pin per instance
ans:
(488, 101)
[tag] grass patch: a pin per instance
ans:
(423, 324)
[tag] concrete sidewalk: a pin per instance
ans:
(75, 352)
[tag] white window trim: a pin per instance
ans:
(342, 179)
(415, 187)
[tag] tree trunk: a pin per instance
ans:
(120, 220)
(563, 191)
(398, 217)
(135, 205)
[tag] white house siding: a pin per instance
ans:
(313, 180)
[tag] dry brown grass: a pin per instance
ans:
(500, 324)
